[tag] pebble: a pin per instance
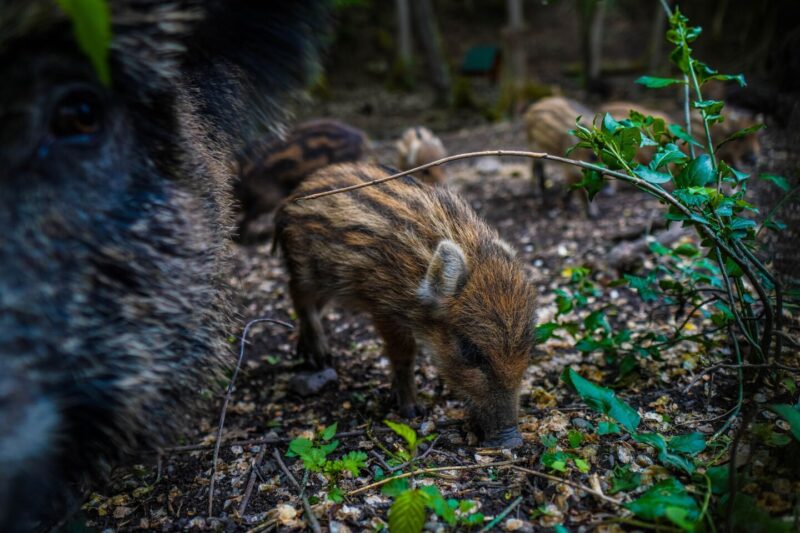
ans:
(426, 428)
(286, 513)
(338, 527)
(310, 383)
(644, 461)
(582, 423)
(624, 455)
(515, 524)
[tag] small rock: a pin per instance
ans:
(348, 512)
(515, 524)
(624, 455)
(582, 423)
(286, 513)
(426, 428)
(122, 512)
(338, 527)
(643, 461)
(309, 383)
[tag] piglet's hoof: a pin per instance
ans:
(309, 383)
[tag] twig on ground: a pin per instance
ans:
(713, 368)
(312, 519)
(423, 471)
(379, 457)
(252, 481)
(499, 518)
(227, 400)
(595, 493)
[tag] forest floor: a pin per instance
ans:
(252, 492)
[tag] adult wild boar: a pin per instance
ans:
(115, 208)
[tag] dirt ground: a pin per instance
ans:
(169, 492)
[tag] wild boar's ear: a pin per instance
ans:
(446, 275)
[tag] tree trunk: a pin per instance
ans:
(427, 29)
(405, 55)
(592, 19)
(657, 40)
(514, 56)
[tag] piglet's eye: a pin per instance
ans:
(473, 356)
(79, 112)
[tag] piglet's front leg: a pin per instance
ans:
(401, 348)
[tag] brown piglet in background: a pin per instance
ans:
(271, 168)
(419, 146)
(547, 125)
(428, 270)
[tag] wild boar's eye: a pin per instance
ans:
(473, 356)
(77, 113)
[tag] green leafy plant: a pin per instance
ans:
(314, 453)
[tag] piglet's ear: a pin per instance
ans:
(446, 275)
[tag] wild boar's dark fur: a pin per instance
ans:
(424, 266)
(115, 209)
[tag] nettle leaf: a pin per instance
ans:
(335, 494)
(602, 399)
(779, 181)
(439, 505)
(596, 320)
(650, 175)
(575, 438)
(791, 414)
(407, 514)
(664, 456)
(690, 444)
(91, 22)
(698, 173)
(298, 447)
(408, 434)
(738, 78)
(555, 460)
(353, 462)
(548, 441)
(670, 493)
(653, 82)
(328, 433)
(742, 223)
(692, 196)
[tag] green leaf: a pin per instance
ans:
(653, 82)
(667, 154)
(690, 444)
(575, 438)
(607, 428)
(408, 434)
(596, 320)
(546, 331)
(742, 223)
(664, 456)
(680, 133)
(580, 464)
(651, 176)
(335, 494)
(609, 124)
(395, 487)
(698, 173)
(328, 433)
(719, 476)
(670, 493)
(91, 23)
(602, 399)
(439, 505)
(555, 460)
(781, 182)
(548, 441)
(791, 414)
(353, 462)
(624, 478)
(407, 514)
(299, 447)
(741, 133)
